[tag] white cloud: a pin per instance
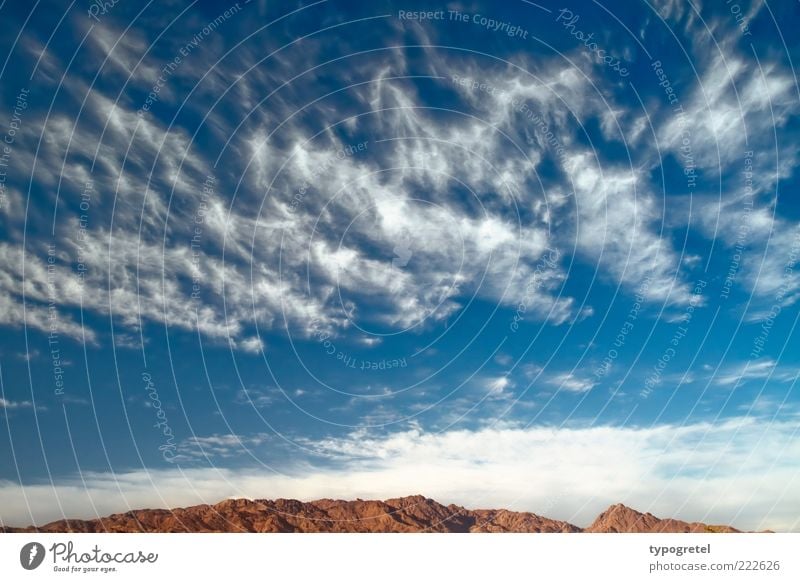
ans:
(449, 251)
(124, 53)
(618, 215)
(740, 472)
(504, 359)
(257, 397)
(498, 385)
(218, 446)
(737, 105)
(765, 369)
(764, 249)
(571, 382)
(34, 315)
(747, 371)
(253, 345)
(12, 404)
(451, 248)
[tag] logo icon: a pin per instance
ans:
(402, 251)
(402, 255)
(31, 555)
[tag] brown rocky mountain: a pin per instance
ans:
(619, 518)
(405, 514)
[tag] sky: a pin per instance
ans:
(540, 256)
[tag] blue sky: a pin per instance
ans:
(539, 256)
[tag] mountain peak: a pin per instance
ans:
(619, 518)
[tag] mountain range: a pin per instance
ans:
(405, 514)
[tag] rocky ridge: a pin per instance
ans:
(404, 514)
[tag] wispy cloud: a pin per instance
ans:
(756, 370)
(13, 404)
(498, 385)
(571, 382)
